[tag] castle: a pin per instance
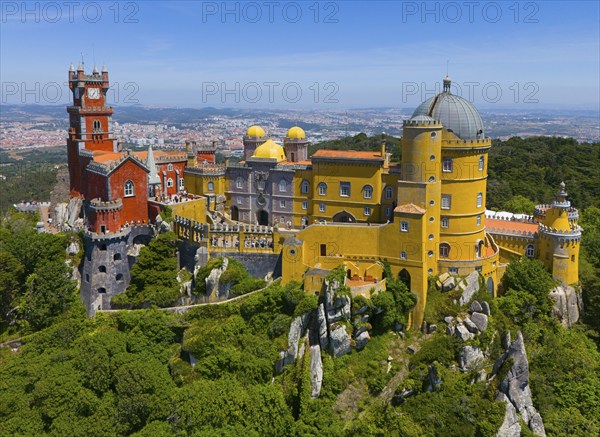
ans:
(423, 217)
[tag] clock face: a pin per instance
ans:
(93, 93)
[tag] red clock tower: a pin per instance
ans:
(90, 126)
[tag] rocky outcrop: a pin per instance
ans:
(73, 247)
(322, 326)
(510, 426)
(480, 321)
(469, 287)
(362, 339)
(214, 289)
(566, 305)
(433, 382)
(514, 388)
(297, 329)
(316, 370)
(339, 341)
(470, 358)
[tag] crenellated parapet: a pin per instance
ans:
(573, 234)
(540, 212)
(106, 206)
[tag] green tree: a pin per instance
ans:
(519, 205)
(11, 278)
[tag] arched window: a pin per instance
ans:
(181, 184)
(367, 191)
(444, 250)
(530, 251)
(102, 269)
(282, 186)
(481, 162)
(170, 167)
(479, 249)
(169, 182)
(239, 183)
(129, 191)
(211, 186)
(304, 187)
(479, 200)
(389, 192)
(97, 125)
(445, 222)
(322, 189)
(117, 257)
(119, 277)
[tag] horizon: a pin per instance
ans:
(328, 56)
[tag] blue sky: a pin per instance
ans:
(542, 54)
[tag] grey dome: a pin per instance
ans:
(422, 118)
(455, 114)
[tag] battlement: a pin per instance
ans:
(482, 142)
(574, 232)
(422, 123)
(105, 168)
(105, 206)
(540, 211)
(511, 232)
(213, 170)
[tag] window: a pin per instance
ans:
(103, 247)
(404, 226)
(368, 192)
(211, 186)
(388, 211)
(432, 158)
(322, 189)
(446, 201)
(170, 167)
(430, 237)
(321, 207)
(239, 183)
(530, 251)
(444, 250)
(447, 165)
(87, 278)
(453, 270)
(431, 202)
(478, 268)
(389, 192)
(240, 200)
(102, 269)
(481, 162)
(117, 257)
(344, 189)
(478, 220)
(445, 222)
(305, 204)
(102, 290)
(129, 189)
(433, 135)
(430, 253)
(479, 200)
(431, 178)
(282, 203)
(119, 277)
(402, 255)
(367, 211)
(169, 182)
(181, 184)
(282, 186)
(97, 125)
(304, 187)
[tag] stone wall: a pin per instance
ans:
(257, 264)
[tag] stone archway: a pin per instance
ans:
(262, 217)
(404, 276)
(344, 217)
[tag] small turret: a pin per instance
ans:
(95, 70)
(71, 68)
(447, 82)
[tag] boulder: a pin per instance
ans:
(213, 282)
(362, 339)
(339, 341)
(463, 333)
(485, 308)
(449, 284)
(73, 210)
(337, 307)
(480, 320)
(440, 281)
(472, 327)
(475, 307)
(470, 357)
(448, 319)
(73, 247)
(316, 370)
(433, 382)
(432, 329)
(566, 305)
(450, 329)
(470, 287)
(322, 328)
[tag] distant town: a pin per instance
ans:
(36, 126)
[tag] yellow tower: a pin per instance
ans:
(560, 236)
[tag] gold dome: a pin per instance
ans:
(296, 133)
(270, 149)
(255, 131)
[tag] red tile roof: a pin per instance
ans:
(510, 225)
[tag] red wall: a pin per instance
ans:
(135, 208)
(170, 174)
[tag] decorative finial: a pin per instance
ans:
(95, 70)
(80, 67)
(447, 82)
(104, 70)
(71, 68)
